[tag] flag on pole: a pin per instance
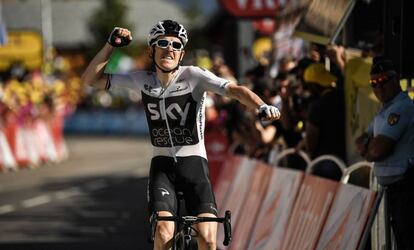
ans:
(3, 34)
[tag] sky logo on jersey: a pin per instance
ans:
(179, 111)
(171, 111)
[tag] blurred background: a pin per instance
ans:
(48, 118)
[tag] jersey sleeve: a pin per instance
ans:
(396, 122)
(131, 81)
(370, 128)
(208, 81)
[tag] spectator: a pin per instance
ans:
(325, 133)
(265, 133)
(389, 143)
(336, 54)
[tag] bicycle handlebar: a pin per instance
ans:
(190, 220)
(227, 228)
(262, 114)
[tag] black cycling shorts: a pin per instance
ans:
(189, 176)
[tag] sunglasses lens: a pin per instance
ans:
(177, 45)
(162, 44)
(375, 83)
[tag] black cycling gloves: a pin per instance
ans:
(117, 41)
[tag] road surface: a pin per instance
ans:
(96, 199)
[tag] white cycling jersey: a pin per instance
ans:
(176, 114)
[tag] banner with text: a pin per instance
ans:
(253, 8)
(347, 218)
(271, 222)
(251, 206)
(309, 214)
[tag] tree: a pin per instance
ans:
(112, 13)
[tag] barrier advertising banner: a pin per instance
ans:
(347, 218)
(309, 214)
(236, 194)
(6, 156)
(251, 205)
(226, 178)
(217, 147)
(271, 222)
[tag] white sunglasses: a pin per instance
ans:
(164, 43)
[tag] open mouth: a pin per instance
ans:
(167, 57)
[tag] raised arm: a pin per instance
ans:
(252, 101)
(94, 73)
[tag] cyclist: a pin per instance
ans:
(173, 97)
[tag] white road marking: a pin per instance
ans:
(6, 209)
(67, 193)
(64, 194)
(36, 201)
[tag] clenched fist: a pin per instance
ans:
(268, 112)
(119, 37)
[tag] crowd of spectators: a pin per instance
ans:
(311, 100)
(36, 101)
(29, 95)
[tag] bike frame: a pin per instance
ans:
(184, 226)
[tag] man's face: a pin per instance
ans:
(384, 86)
(168, 52)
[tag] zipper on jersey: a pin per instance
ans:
(164, 114)
(163, 109)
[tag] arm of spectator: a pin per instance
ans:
(374, 149)
(337, 55)
(267, 134)
(311, 138)
(361, 144)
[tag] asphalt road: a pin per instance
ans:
(96, 199)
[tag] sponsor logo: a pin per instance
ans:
(213, 208)
(178, 89)
(148, 88)
(164, 191)
(154, 110)
(179, 136)
(171, 120)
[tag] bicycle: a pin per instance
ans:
(184, 230)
